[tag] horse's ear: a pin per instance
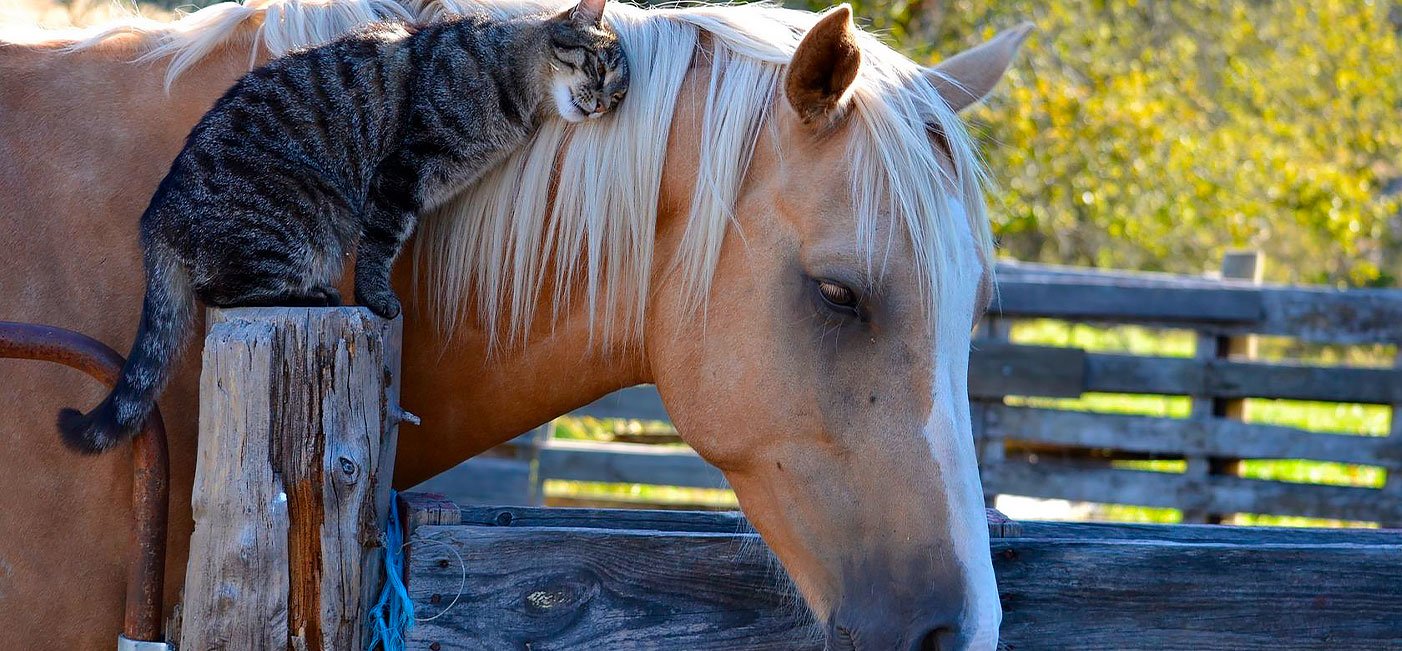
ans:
(967, 77)
(824, 67)
(589, 12)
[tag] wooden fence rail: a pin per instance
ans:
(572, 579)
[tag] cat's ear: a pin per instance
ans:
(589, 12)
(824, 67)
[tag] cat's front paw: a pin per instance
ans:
(384, 304)
(327, 293)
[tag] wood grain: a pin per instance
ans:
(485, 480)
(1314, 314)
(236, 581)
(1171, 437)
(434, 507)
(1216, 494)
(1115, 595)
(628, 463)
(301, 405)
(997, 370)
(545, 587)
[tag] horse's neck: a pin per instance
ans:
(471, 400)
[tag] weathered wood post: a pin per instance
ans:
(988, 441)
(298, 416)
(1236, 265)
(1392, 487)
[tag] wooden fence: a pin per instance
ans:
(510, 578)
(1053, 453)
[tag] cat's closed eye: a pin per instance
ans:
(572, 57)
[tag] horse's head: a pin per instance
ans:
(826, 372)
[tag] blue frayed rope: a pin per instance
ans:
(393, 614)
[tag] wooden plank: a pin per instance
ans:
(1030, 272)
(1079, 300)
(627, 463)
(1218, 494)
(1392, 488)
(657, 520)
(484, 480)
(648, 589)
(1358, 316)
(1174, 437)
(1228, 379)
(1316, 314)
(236, 580)
(735, 522)
(324, 399)
(998, 370)
(1207, 533)
(560, 588)
(1113, 595)
(420, 508)
(629, 502)
(640, 402)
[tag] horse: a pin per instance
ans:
(782, 228)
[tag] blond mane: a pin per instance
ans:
(486, 252)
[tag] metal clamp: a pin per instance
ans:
(150, 473)
(126, 644)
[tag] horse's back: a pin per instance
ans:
(85, 137)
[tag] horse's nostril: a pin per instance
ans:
(939, 639)
(843, 640)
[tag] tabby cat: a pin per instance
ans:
(335, 148)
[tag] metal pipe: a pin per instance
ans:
(150, 467)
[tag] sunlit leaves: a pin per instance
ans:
(1156, 135)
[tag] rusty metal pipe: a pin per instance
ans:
(150, 493)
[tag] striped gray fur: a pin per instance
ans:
(335, 149)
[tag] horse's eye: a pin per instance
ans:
(837, 297)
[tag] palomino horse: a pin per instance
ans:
(782, 228)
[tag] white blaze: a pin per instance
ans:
(950, 436)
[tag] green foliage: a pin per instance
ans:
(1156, 135)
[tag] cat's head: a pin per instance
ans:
(588, 72)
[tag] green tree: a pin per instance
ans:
(1155, 135)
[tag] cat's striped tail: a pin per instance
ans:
(165, 324)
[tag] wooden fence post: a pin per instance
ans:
(988, 440)
(1392, 483)
(1236, 265)
(298, 416)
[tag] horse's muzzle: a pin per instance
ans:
(865, 629)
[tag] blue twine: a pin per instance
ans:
(393, 614)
